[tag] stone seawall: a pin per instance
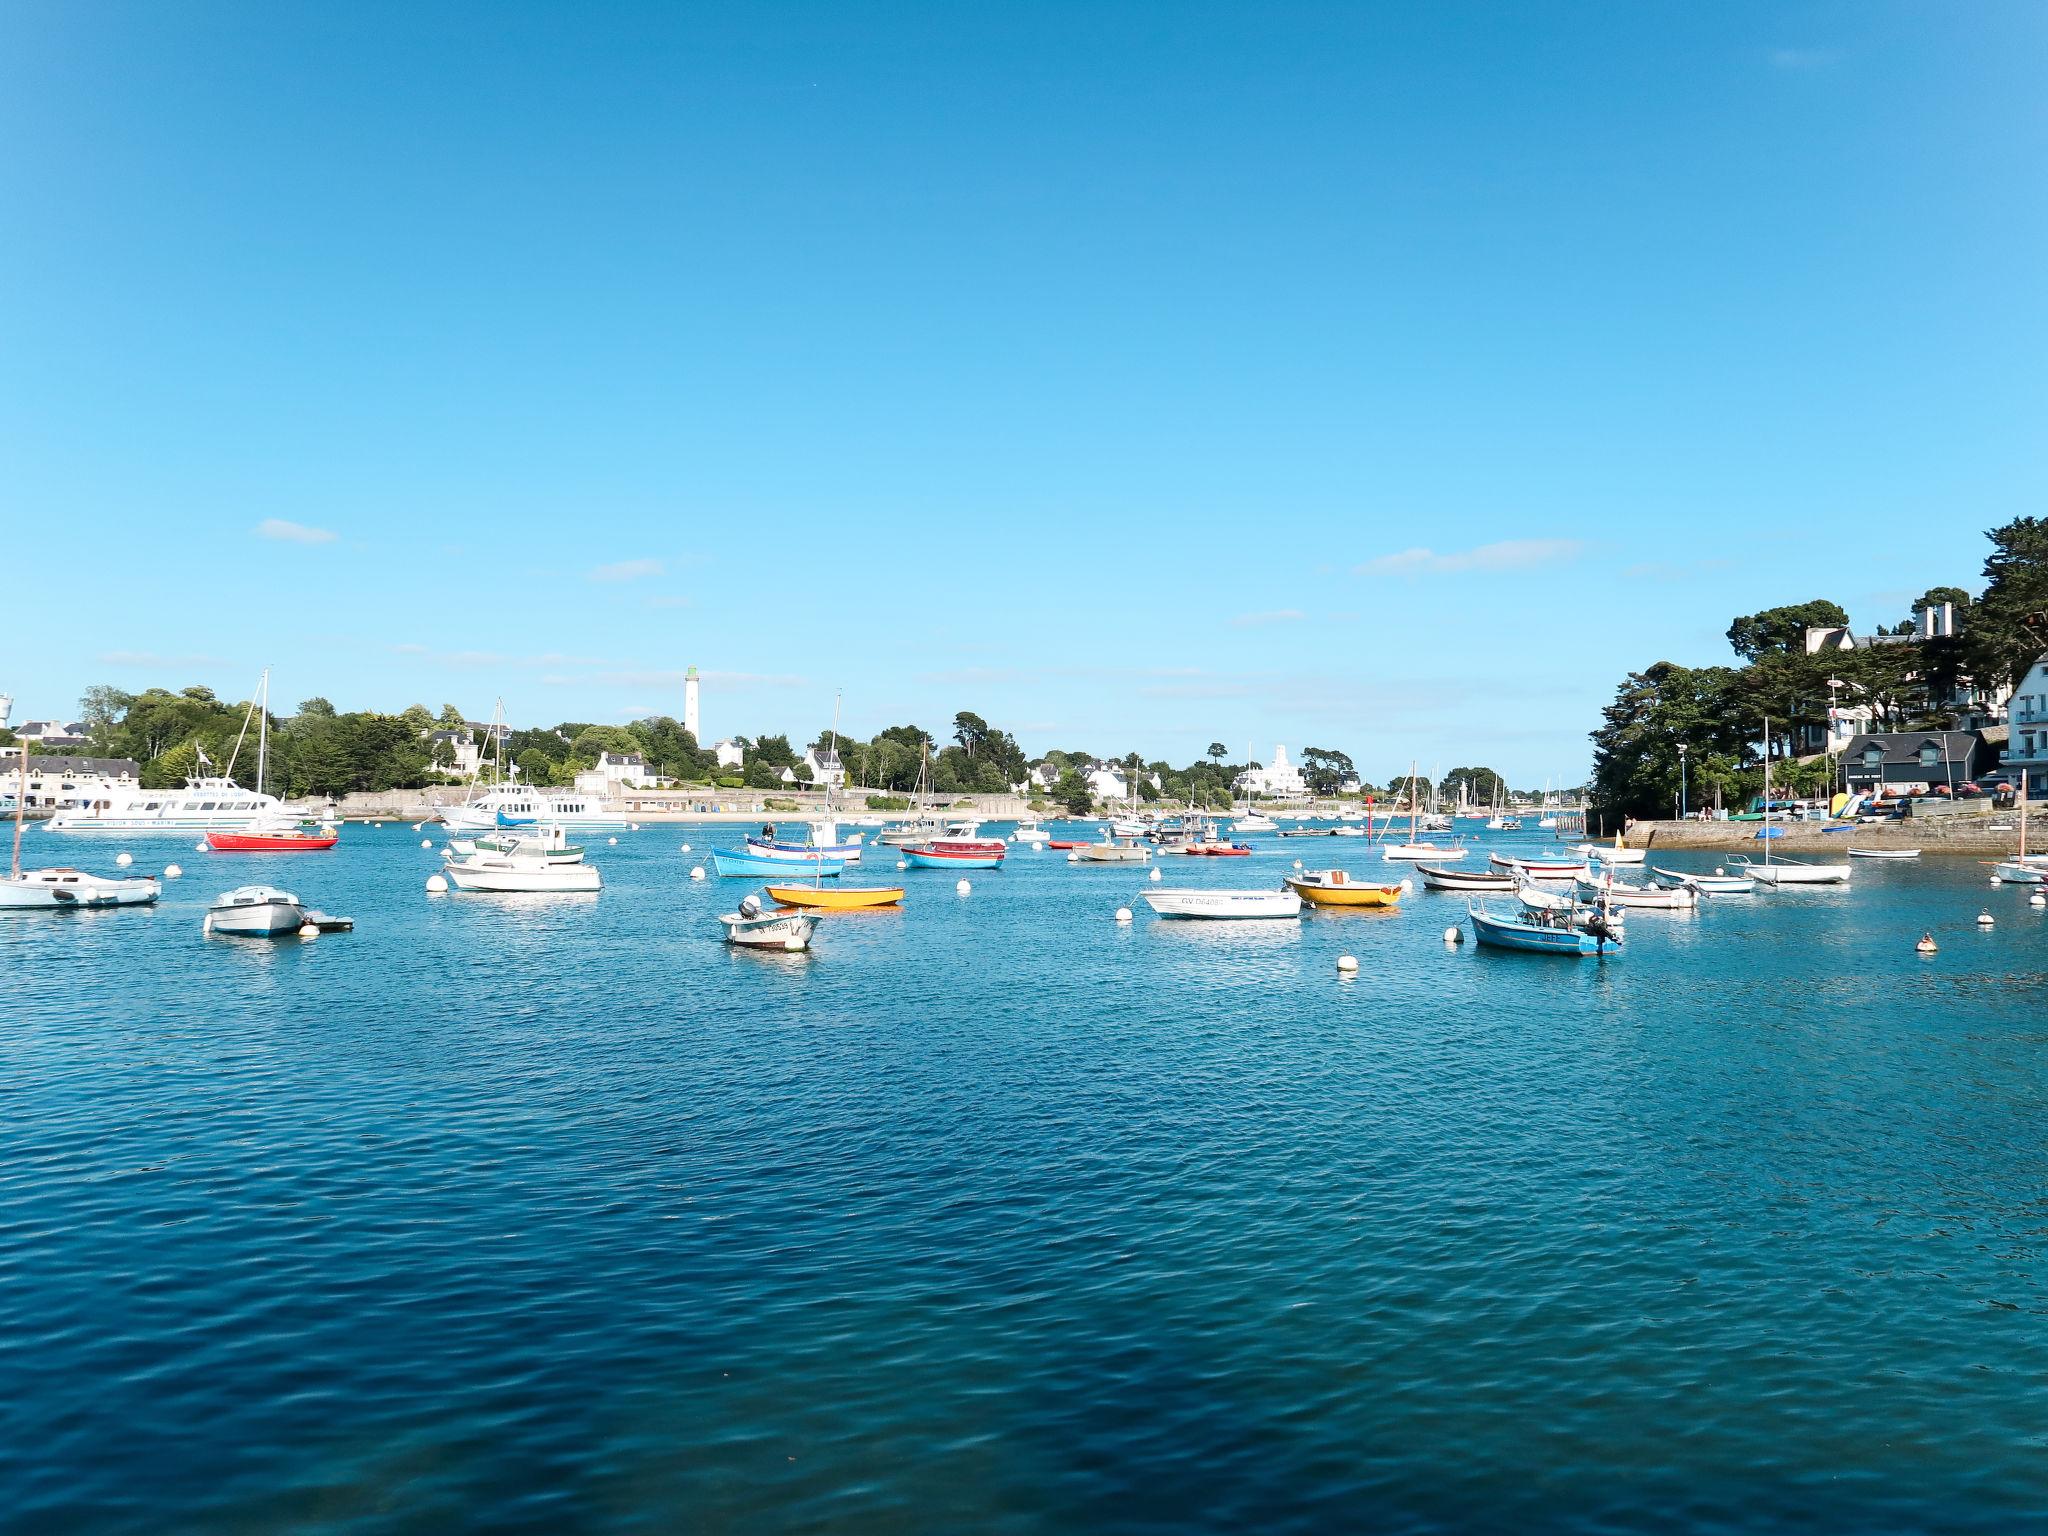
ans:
(1978, 836)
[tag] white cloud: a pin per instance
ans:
(627, 570)
(1508, 555)
(1270, 616)
(290, 532)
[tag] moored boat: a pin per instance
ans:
(843, 898)
(520, 873)
(255, 911)
(1716, 884)
(1621, 893)
(1437, 878)
(942, 855)
(745, 862)
(751, 928)
(1884, 853)
(66, 889)
(1781, 872)
(1539, 869)
(1224, 905)
(1421, 853)
(1552, 933)
(1335, 888)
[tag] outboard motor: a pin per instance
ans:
(750, 906)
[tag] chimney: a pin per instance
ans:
(1926, 625)
(1948, 620)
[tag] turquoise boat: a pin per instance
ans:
(1543, 932)
(745, 865)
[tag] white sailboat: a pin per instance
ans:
(59, 890)
(1782, 872)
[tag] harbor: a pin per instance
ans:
(993, 1206)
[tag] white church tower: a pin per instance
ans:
(690, 706)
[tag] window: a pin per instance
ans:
(1929, 754)
(210, 806)
(1872, 756)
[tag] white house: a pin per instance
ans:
(65, 783)
(1044, 775)
(2026, 747)
(55, 736)
(1849, 717)
(1106, 781)
(827, 771)
(613, 770)
(1280, 779)
(464, 754)
(730, 754)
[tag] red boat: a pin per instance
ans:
(1218, 850)
(290, 840)
(1058, 844)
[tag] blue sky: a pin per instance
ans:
(1385, 379)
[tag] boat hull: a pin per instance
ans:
(1440, 879)
(774, 930)
(949, 858)
(1225, 906)
(1421, 853)
(844, 899)
(271, 842)
(521, 880)
(70, 890)
(1535, 938)
(1345, 893)
(732, 866)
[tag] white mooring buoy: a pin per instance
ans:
(1984, 919)
(1155, 874)
(124, 859)
(697, 873)
(963, 887)
(1347, 964)
(903, 864)
(2037, 900)
(1454, 935)
(436, 884)
(200, 846)
(309, 930)
(685, 848)
(1123, 914)
(172, 871)
(426, 842)
(613, 842)
(1926, 946)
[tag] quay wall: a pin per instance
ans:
(1978, 836)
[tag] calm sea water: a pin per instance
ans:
(558, 1215)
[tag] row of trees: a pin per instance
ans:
(1717, 714)
(320, 751)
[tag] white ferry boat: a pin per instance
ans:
(520, 805)
(201, 806)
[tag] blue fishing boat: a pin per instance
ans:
(1545, 932)
(745, 863)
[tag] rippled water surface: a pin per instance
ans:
(559, 1215)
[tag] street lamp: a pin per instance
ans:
(1681, 781)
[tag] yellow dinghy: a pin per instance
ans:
(845, 898)
(1334, 888)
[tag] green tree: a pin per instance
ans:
(1072, 792)
(1326, 769)
(1784, 628)
(1216, 753)
(451, 718)
(2007, 627)
(1655, 711)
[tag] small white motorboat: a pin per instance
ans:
(1716, 884)
(1224, 904)
(1884, 853)
(1780, 872)
(752, 928)
(1608, 854)
(255, 911)
(1029, 831)
(1540, 869)
(549, 842)
(63, 890)
(1440, 879)
(1249, 820)
(1421, 853)
(520, 873)
(2013, 872)
(1622, 894)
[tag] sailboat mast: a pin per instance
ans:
(21, 809)
(262, 730)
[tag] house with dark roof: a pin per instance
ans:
(1915, 762)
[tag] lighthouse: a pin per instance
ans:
(690, 705)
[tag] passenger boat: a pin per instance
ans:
(745, 862)
(202, 805)
(843, 898)
(1334, 888)
(255, 911)
(1437, 878)
(1716, 884)
(751, 928)
(520, 873)
(1551, 933)
(1224, 904)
